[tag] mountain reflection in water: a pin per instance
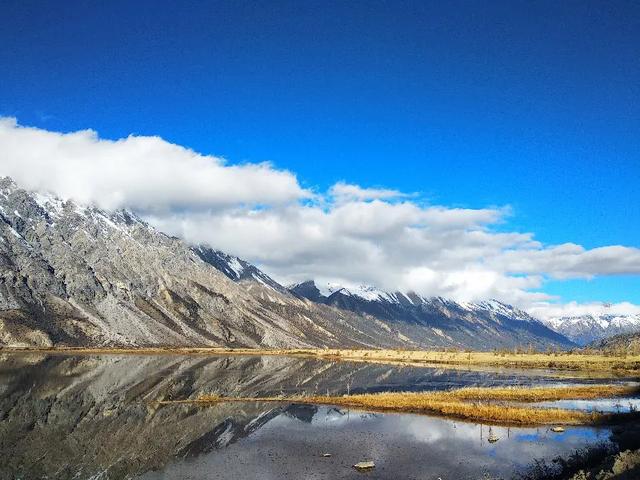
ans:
(402, 447)
(65, 416)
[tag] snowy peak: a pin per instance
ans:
(235, 268)
(231, 266)
(31, 210)
(369, 299)
(585, 329)
(500, 308)
(309, 289)
(364, 292)
(445, 318)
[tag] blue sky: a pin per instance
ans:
(535, 105)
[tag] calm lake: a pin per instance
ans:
(94, 417)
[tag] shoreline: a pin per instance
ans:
(617, 365)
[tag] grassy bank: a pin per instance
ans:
(491, 405)
(571, 361)
(559, 360)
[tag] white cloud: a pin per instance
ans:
(342, 192)
(348, 235)
(573, 309)
(144, 173)
(432, 250)
(570, 261)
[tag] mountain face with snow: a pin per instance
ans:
(456, 322)
(585, 329)
(78, 275)
(235, 268)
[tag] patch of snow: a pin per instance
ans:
(49, 203)
(235, 265)
(327, 289)
(365, 292)
(16, 234)
(225, 437)
(404, 338)
(466, 306)
(249, 426)
(405, 297)
(500, 308)
(371, 294)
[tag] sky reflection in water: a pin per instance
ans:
(401, 445)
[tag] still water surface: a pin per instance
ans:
(65, 416)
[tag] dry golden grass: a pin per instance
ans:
(595, 363)
(477, 404)
(542, 394)
(477, 411)
(558, 360)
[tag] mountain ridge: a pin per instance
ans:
(75, 275)
(586, 329)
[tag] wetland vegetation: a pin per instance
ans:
(494, 405)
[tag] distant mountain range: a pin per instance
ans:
(586, 329)
(77, 275)
(451, 323)
(409, 307)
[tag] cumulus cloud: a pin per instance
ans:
(143, 173)
(431, 250)
(348, 235)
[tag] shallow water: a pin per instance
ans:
(612, 405)
(65, 416)
(402, 446)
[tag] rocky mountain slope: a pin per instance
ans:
(236, 268)
(586, 329)
(78, 275)
(628, 343)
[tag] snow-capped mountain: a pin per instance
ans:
(585, 329)
(73, 274)
(372, 300)
(235, 268)
(433, 313)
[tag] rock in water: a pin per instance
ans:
(364, 466)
